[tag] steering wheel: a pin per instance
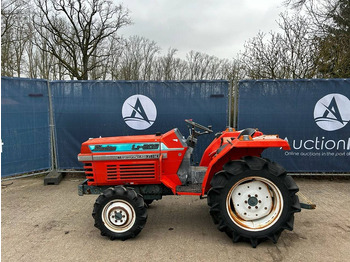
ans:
(194, 124)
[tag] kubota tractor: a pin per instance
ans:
(250, 198)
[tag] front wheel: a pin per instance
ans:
(120, 213)
(253, 199)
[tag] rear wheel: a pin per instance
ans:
(120, 213)
(253, 199)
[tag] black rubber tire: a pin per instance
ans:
(128, 198)
(233, 173)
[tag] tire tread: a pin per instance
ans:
(127, 194)
(238, 167)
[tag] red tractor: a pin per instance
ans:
(250, 198)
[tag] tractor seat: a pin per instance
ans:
(247, 131)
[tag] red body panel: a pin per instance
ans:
(133, 160)
(155, 159)
(234, 149)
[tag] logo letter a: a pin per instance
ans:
(138, 108)
(334, 110)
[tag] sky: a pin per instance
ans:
(214, 27)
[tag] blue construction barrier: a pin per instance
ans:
(313, 115)
(85, 109)
(25, 131)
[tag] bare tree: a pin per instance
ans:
(14, 36)
(78, 29)
(114, 60)
(203, 66)
(165, 66)
(290, 54)
(136, 58)
(299, 47)
(180, 68)
(11, 10)
(75, 39)
(149, 49)
(262, 56)
(230, 70)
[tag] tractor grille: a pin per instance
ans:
(112, 172)
(139, 171)
(89, 172)
(128, 172)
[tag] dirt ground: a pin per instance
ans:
(53, 223)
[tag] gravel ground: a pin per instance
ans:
(53, 223)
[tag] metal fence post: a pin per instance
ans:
(52, 130)
(53, 178)
(235, 103)
(230, 104)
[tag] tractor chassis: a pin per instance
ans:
(149, 192)
(155, 192)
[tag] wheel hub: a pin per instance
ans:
(252, 200)
(118, 216)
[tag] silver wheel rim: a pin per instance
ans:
(118, 216)
(254, 203)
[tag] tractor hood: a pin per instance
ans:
(133, 144)
(134, 159)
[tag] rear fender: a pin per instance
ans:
(238, 149)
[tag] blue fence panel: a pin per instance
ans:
(84, 109)
(313, 115)
(25, 129)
